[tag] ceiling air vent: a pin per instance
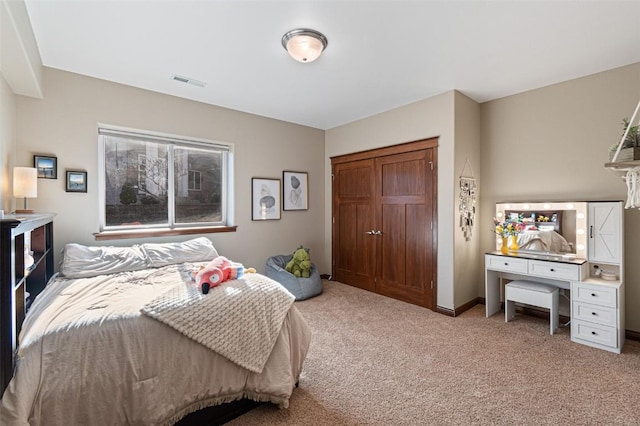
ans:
(188, 80)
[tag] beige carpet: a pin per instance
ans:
(377, 361)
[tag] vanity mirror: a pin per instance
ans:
(549, 227)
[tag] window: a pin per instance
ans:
(195, 181)
(142, 173)
(154, 181)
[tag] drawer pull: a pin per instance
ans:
(552, 270)
(593, 313)
(506, 264)
(593, 295)
(594, 333)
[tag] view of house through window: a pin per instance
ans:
(152, 181)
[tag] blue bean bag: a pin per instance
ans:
(301, 288)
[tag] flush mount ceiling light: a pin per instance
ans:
(303, 44)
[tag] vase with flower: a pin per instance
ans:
(507, 230)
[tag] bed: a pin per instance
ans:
(543, 240)
(123, 336)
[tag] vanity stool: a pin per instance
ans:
(531, 293)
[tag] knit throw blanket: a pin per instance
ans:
(240, 319)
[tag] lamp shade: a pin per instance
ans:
(25, 182)
(304, 45)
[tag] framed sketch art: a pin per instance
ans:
(76, 181)
(265, 199)
(295, 190)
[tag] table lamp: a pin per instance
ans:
(25, 185)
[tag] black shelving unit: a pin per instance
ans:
(19, 287)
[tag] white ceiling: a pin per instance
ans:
(381, 54)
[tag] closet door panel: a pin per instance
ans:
(398, 176)
(355, 264)
(417, 244)
(353, 224)
(404, 184)
(391, 243)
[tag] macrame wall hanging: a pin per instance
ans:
(467, 206)
(632, 177)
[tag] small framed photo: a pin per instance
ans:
(265, 199)
(76, 181)
(47, 166)
(295, 191)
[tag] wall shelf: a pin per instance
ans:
(618, 165)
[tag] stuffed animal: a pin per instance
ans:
(300, 263)
(216, 272)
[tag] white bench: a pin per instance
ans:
(531, 293)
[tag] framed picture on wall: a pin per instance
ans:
(295, 191)
(265, 199)
(47, 166)
(76, 181)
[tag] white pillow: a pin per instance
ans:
(89, 261)
(197, 250)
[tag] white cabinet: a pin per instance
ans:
(605, 232)
(597, 314)
(597, 306)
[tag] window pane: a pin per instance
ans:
(135, 182)
(198, 185)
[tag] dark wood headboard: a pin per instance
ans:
(557, 224)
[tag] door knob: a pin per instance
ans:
(370, 232)
(378, 232)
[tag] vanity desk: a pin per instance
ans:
(596, 305)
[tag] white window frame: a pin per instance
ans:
(227, 149)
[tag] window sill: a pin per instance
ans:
(161, 232)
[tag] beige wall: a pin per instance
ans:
(551, 144)
(548, 144)
(433, 117)
(64, 123)
(7, 144)
(468, 257)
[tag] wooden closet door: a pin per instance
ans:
(353, 223)
(405, 186)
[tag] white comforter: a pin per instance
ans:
(549, 241)
(88, 356)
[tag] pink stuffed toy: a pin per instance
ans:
(214, 272)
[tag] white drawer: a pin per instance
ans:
(603, 335)
(594, 294)
(506, 264)
(560, 271)
(595, 314)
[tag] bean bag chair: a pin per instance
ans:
(301, 288)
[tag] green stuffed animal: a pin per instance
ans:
(300, 263)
